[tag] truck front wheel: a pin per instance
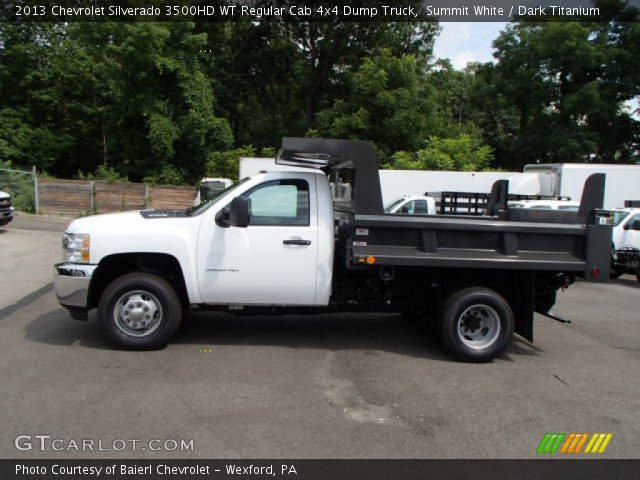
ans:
(477, 324)
(139, 311)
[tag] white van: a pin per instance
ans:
(566, 205)
(412, 205)
(209, 188)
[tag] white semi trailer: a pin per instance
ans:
(567, 180)
(553, 180)
(401, 183)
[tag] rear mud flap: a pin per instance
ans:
(523, 305)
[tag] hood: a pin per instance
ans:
(105, 221)
(124, 221)
(163, 213)
(4, 195)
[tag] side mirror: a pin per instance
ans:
(239, 212)
(222, 218)
(404, 210)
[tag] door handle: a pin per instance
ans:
(296, 241)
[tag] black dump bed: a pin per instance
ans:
(522, 239)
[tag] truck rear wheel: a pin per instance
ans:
(477, 324)
(139, 311)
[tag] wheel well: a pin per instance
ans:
(114, 266)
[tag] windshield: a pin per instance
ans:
(393, 205)
(618, 217)
(198, 209)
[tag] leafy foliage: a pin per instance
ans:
(19, 185)
(225, 163)
(387, 102)
(170, 102)
(460, 153)
(167, 175)
(128, 95)
(560, 88)
(103, 173)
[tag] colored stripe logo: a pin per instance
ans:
(574, 443)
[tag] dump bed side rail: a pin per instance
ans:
(489, 245)
(540, 243)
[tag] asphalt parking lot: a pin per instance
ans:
(326, 386)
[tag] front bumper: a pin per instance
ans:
(6, 216)
(627, 258)
(71, 283)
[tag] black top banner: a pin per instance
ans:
(311, 11)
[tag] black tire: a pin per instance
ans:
(615, 273)
(170, 312)
(478, 304)
(638, 274)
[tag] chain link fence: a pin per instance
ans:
(22, 185)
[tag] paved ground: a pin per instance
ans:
(29, 246)
(343, 386)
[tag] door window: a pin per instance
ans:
(279, 202)
(415, 207)
(420, 207)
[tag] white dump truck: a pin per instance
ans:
(278, 242)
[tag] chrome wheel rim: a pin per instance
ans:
(138, 313)
(479, 327)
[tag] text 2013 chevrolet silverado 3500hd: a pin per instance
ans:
(277, 243)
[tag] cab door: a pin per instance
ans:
(273, 260)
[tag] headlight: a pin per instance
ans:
(76, 247)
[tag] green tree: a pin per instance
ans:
(328, 50)
(461, 153)
(168, 175)
(103, 173)
(273, 78)
(226, 163)
(568, 82)
(133, 96)
(387, 102)
(168, 116)
(30, 133)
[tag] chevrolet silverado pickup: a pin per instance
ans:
(279, 243)
(625, 244)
